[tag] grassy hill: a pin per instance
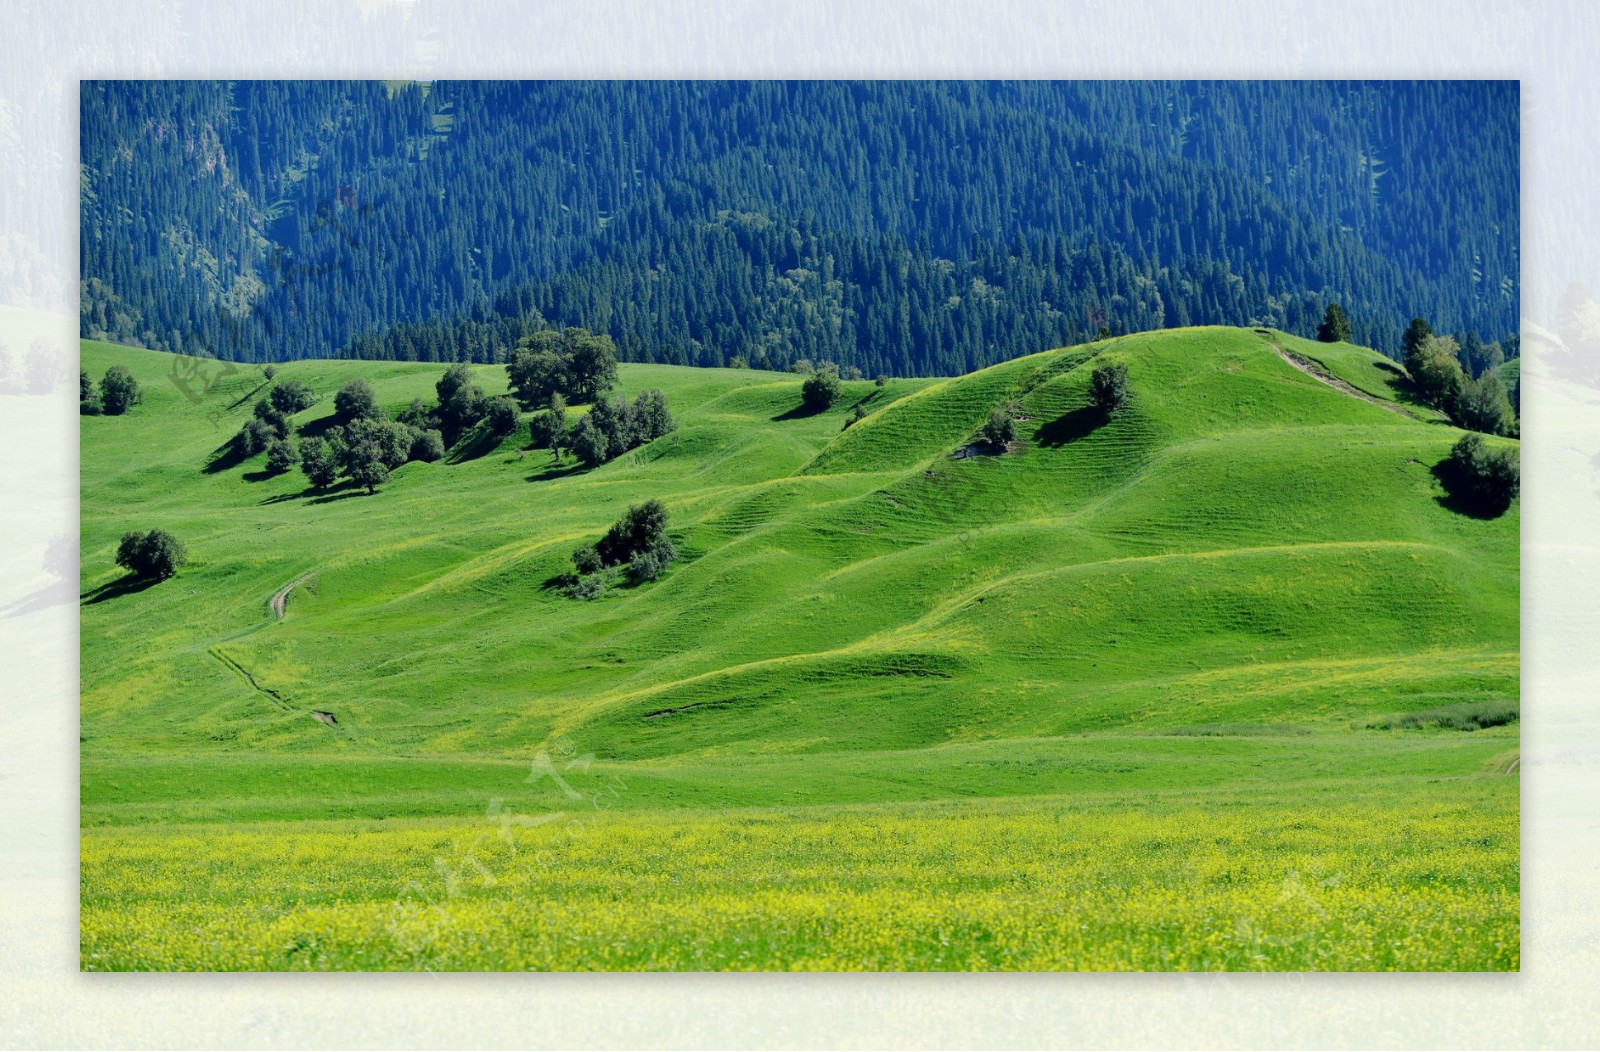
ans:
(1207, 605)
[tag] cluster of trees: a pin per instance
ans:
(269, 428)
(41, 369)
(895, 226)
(1477, 400)
(636, 546)
(574, 363)
(1001, 427)
(612, 428)
(156, 554)
(118, 391)
(821, 389)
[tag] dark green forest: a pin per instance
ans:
(895, 227)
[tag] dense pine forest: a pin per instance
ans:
(902, 228)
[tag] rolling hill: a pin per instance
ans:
(1197, 619)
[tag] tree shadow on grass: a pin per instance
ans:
(799, 412)
(478, 442)
(1069, 427)
(342, 491)
(127, 584)
(249, 394)
(260, 475)
(557, 471)
(223, 457)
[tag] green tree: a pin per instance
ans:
(281, 456)
(252, 438)
(1000, 429)
(1482, 405)
(1435, 369)
(548, 428)
(591, 364)
(427, 445)
(88, 399)
(156, 554)
(118, 391)
(268, 414)
(821, 389)
(1484, 478)
(1418, 331)
(318, 462)
(639, 530)
(588, 443)
(355, 401)
(1108, 387)
(291, 397)
(587, 560)
(500, 416)
(537, 371)
(1335, 327)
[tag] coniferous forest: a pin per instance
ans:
(901, 228)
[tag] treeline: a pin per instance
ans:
(693, 221)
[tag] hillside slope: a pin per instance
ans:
(1132, 695)
(1244, 543)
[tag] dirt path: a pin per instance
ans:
(281, 600)
(1316, 372)
(270, 694)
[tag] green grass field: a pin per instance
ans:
(1134, 695)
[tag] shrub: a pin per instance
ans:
(592, 586)
(857, 415)
(1000, 429)
(156, 554)
(639, 530)
(269, 414)
(1482, 405)
(1483, 478)
(291, 397)
(645, 567)
(269, 371)
(281, 456)
(253, 437)
(118, 391)
(1468, 716)
(88, 400)
(821, 389)
(1108, 386)
(500, 414)
(588, 443)
(586, 560)
(427, 445)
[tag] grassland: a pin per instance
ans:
(1134, 695)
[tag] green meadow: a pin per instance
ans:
(1185, 687)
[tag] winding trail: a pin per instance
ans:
(271, 695)
(1317, 372)
(280, 600)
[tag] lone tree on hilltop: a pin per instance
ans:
(156, 554)
(821, 389)
(1108, 387)
(118, 391)
(1335, 327)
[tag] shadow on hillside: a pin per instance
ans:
(249, 394)
(799, 412)
(261, 475)
(340, 491)
(127, 584)
(1069, 427)
(223, 457)
(317, 428)
(478, 442)
(557, 471)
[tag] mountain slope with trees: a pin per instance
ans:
(909, 228)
